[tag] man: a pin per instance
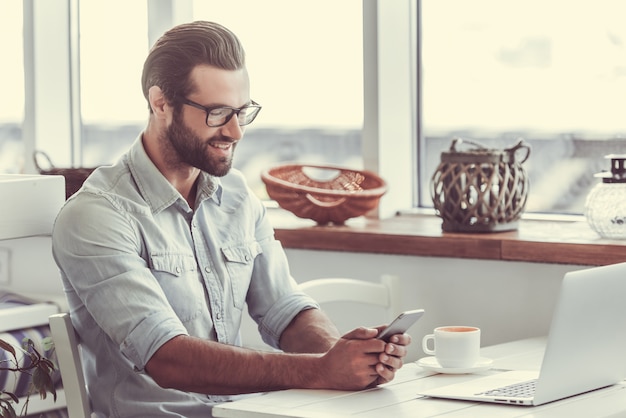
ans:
(160, 252)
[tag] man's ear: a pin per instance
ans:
(158, 104)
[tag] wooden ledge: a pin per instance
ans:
(565, 242)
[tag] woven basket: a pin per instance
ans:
(480, 190)
(326, 194)
(74, 177)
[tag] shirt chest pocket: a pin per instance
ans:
(239, 260)
(178, 277)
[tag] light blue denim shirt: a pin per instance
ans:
(139, 267)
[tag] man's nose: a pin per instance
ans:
(232, 129)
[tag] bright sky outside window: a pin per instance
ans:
(12, 87)
(113, 47)
(305, 58)
(553, 66)
(11, 47)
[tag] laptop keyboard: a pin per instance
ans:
(518, 390)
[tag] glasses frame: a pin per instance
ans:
(233, 111)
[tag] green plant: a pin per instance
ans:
(31, 362)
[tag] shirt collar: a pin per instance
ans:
(154, 187)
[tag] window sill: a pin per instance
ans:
(565, 242)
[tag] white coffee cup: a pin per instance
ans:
(454, 346)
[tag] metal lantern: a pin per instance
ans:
(480, 189)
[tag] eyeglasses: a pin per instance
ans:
(220, 115)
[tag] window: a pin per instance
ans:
(308, 80)
(113, 109)
(553, 73)
(492, 71)
(305, 68)
(12, 88)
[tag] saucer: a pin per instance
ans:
(431, 364)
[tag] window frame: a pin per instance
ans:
(391, 118)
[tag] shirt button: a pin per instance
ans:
(207, 269)
(219, 316)
(178, 270)
(247, 257)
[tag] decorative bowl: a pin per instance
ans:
(324, 193)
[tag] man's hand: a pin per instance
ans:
(359, 360)
(391, 359)
(351, 362)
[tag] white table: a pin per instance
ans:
(399, 398)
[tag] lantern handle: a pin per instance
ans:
(521, 145)
(458, 140)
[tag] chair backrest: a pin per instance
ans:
(385, 294)
(70, 364)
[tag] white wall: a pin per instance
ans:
(507, 300)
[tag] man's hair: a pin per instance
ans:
(182, 48)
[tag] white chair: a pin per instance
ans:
(384, 294)
(70, 364)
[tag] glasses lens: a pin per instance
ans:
(247, 114)
(219, 116)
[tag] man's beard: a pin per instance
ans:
(190, 149)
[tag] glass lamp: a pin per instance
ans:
(605, 208)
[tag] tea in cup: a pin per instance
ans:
(454, 346)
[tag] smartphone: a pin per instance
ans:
(401, 324)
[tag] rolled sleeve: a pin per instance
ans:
(281, 314)
(148, 336)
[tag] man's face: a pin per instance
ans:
(212, 154)
(190, 140)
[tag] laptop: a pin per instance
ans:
(585, 350)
